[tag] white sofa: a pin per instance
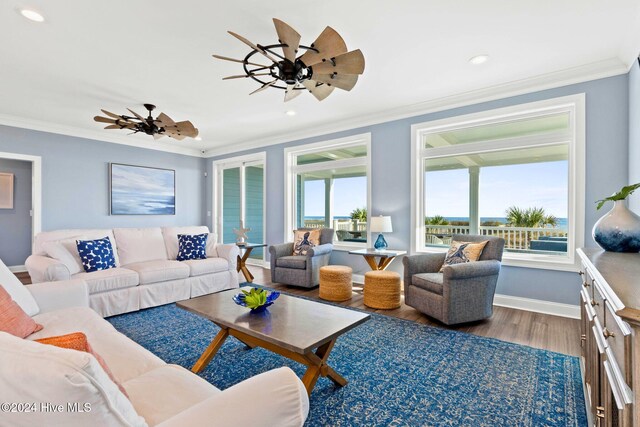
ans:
(147, 273)
(41, 377)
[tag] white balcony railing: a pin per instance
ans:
(514, 237)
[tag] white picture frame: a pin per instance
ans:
(6, 190)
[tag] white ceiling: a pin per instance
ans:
(114, 54)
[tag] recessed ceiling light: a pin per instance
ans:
(479, 59)
(32, 15)
(198, 138)
(290, 113)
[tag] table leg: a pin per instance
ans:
(371, 260)
(242, 265)
(211, 351)
(318, 366)
(382, 264)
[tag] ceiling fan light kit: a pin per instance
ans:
(158, 127)
(323, 66)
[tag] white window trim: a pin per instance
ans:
(216, 197)
(291, 170)
(575, 106)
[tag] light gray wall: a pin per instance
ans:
(75, 180)
(634, 134)
(607, 119)
(15, 224)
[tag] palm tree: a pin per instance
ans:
(529, 218)
(435, 220)
(359, 214)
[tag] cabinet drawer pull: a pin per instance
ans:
(585, 284)
(600, 411)
(607, 333)
(594, 303)
(583, 337)
(581, 273)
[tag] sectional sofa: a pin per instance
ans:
(69, 387)
(147, 273)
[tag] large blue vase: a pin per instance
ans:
(618, 230)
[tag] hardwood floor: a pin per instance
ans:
(522, 327)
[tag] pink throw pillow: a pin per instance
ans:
(13, 319)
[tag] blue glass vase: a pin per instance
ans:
(380, 244)
(618, 230)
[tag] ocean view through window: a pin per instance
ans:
(509, 173)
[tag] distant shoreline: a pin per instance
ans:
(562, 222)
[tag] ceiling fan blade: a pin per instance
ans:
(113, 127)
(104, 120)
(288, 36)
(174, 135)
(341, 81)
(319, 91)
(110, 114)
(241, 61)
(252, 46)
(157, 136)
(245, 75)
(138, 116)
(347, 63)
(187, 128)
(263, 87)
(165, 120)
(329, 44)
(292, 92)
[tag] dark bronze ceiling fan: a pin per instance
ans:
(323, 66)
(158, 127)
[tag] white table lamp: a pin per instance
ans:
(381, 224)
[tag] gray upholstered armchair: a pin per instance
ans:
(463, 292)
(301, 270)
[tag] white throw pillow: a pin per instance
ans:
(211, 245)
(19, 293)
(45, 374)
(66, 252)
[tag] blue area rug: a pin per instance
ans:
(400, 373)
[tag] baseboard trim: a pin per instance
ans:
(538, 306)
(17, 268)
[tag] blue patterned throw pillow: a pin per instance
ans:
(192, 246)
(96, 255)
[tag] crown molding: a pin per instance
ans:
(96, 135)
(593, 71)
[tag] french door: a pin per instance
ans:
(239, 197)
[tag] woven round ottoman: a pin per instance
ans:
(382, 289)
(335, 282)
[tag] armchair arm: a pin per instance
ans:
(471, 269)
(56, 295)
(45, 269)
(283, 249)
(230, 253)
(320, 250)
(275, 398)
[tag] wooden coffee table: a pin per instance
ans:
(299, 329)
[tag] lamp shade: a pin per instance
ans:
(381, 224)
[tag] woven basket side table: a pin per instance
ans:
(382, 289)
(335, 282)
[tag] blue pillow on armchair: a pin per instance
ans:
(192, 246)
(96, 254)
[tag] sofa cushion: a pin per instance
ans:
(13, 319)
(17, 290)
(96, 255)
(88, 234)
(125, 358)
(292, 261)
(192, 246)
(33, 372)
(199, 267)
(156, 401)
(428, 281)
(108, 280)
(140, 244)
(66, 251)
(170, 235)
(159, 271)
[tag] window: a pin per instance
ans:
(516, 173)
(239, 195)
(328, 187)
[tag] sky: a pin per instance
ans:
(526, 185)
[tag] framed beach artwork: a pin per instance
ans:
(6, 190)
(140, 190)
